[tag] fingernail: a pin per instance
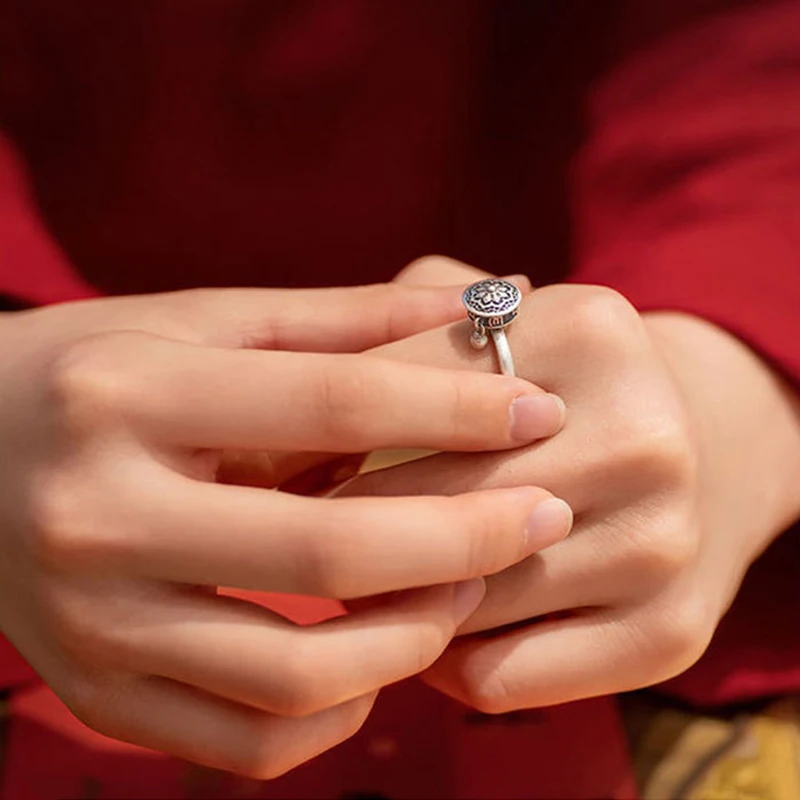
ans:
(549, 522)
(534, 416)
(467, 596)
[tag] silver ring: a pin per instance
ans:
(492, 305)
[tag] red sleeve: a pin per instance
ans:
(688, 191)
(32, 267)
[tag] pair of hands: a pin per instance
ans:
(135, 431)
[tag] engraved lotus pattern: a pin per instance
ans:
(491, 297)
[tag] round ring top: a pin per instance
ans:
(491, 297)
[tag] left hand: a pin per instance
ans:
(678, 458)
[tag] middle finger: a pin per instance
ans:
(198, 533)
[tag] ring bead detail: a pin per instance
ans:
(491, 304)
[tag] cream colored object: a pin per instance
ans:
(763, 765)
(687, 755)
(381, 459)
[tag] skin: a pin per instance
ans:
(679, 458)
(676, 451)
(118, 419)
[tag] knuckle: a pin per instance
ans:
(488, 700)
(656, 449)
(381, 292)
(93, 705)
(300, 686)
(601, 319)
(197, 299)
(332, 581)
(81, 633)
(478, 413)
(345, 397)
(476, 551)
(389, 297)
(680, 636)
(428, 260)
(668, 454)
(663, 547)
(85, 382)
(489, 691)
(481, 680)
(175, 315)
(258, 762)
(421, 268)
(492, 541)
(464, 421)
(480, 557)
(58, 531)
(68, 525)
(685, 636)
(328, 557)
(262, 760)
(379, 295)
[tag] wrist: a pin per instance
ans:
(747, 427)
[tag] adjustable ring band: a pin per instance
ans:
(492, 305)
(504, 357)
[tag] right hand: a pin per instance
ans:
(114, 532)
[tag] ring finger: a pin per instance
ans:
(247, 654)
(188, 723)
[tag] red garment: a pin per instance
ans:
(151, 146)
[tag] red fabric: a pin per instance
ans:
(691, 201)
(416, 744)
(240, 142)
(32, 266)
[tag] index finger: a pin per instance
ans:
(185, 395)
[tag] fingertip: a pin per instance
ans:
(549, 522)
(537, 416)
(467, 596)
